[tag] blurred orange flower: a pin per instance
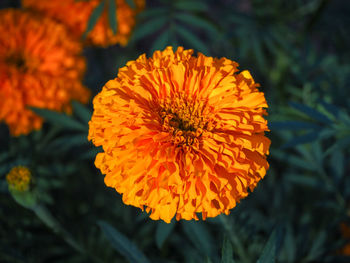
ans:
(76, 14)
(181, 134)
(40, 66)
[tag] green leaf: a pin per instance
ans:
(307, 138)
(163, 231)
(196, 21)
(122, 244)
(227, 252)
(161, 42)
(292, 125)
(112, 16)
(131, 3)
(191, 6)
(312, 113)
(60, 119)
(192, 39)
(82, 112)
(153, 12)
(95, 15)
(149, 27)
(269, 252)
(199, 236)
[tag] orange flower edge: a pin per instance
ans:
(40, 66)
(181, 134)
(76, 14)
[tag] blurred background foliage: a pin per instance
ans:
(298, 51)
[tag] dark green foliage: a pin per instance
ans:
(297, 50)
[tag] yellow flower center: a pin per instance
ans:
(19, 178)
(184, 120)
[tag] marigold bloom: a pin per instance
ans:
(76, 14)
(181, 134)
(19, 178)
(40, 66)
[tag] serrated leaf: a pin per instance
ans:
(95, 15)
(312, 113)
(149, 27)
(131, 3)
(227, 252)
(292, 125)
(196, 21)
(163, 231)
(153, 12)
(192, 39)
(60, 119)
(268, 254)
(82, 111)
(199, 236)
(307, 138)
(122, 244)
(161, 42)
(191, 6)
(112, 16)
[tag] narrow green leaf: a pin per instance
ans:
(60, 119)
(196, 21)
(292, 125)
(149, 27)
(312, 113)
(307, 138)
(131, 3)
(199, 236)
(191, 6)
(122, 244)
(153, 12)
(82, 112)
(269, 252)
(227, 252)
(192, 39)
(95, 15)
(161, 42)
(163, 231)
(112, 15)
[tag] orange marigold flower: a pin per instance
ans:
(76, 14)
(181, 134)
(40, 66)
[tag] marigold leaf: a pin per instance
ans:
(199, 236)
(192, 39)
(196, 21)
(292, 125)
(269, 252)
(307, 138)
(163, 231)
(60, 119)
(161, 42)
(112, 17)
(131, 3)
(153, 12)
(122, 244)
(149, 27)
(95, 15)
(227, 252)
(82, 112)
(312, 113)
(191, 6)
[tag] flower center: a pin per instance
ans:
(184, 120)
(18, 61)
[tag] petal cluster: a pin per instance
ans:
(181, 134)
(40, 66)
(76, 14)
